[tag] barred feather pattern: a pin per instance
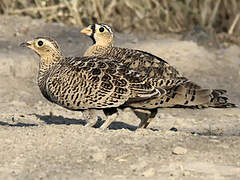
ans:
(175, 89)
(90, 82)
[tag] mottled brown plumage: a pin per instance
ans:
(176, 89)
(80, 83)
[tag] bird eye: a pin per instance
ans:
(101, 29)
(40, 43)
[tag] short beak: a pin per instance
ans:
(87, 31)
(25, 44)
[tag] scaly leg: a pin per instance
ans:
(91, 116)
(112, 115)
(143, 115)
(109, 120)
(146, 116)
(152, 116)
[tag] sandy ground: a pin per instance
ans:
(40, 140)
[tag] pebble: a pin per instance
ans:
(149, 172)
(179, 150)
(173, 129)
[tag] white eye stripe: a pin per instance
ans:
(108, 28)
(105, 26)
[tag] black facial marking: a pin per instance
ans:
(93, 27)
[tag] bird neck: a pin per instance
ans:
(48, 61)
(46, 64)
(104, 44)
(104, 40)
(96, 50)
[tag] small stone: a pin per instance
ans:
(149, 172)
(173, 129)
(179, 151)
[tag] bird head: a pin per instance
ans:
(101, 34)
(45, 47)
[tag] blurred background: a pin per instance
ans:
(133, 16)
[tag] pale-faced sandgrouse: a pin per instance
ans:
(176, 89)
(87, 83)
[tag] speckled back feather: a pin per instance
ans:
(90, 82)
(178, 89)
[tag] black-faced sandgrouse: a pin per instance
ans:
(87, 83)
(176, 89)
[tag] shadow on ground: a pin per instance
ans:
(48, 119)
(19, 124)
